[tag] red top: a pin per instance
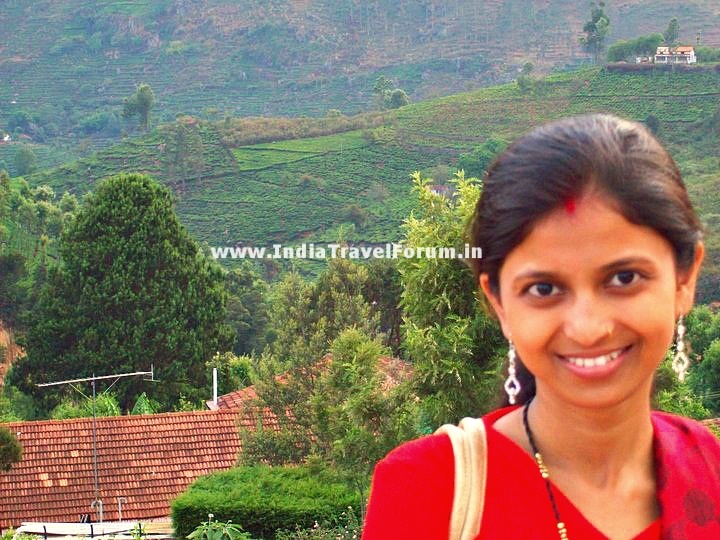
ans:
(412, 491)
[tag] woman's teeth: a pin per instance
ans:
(596, 361)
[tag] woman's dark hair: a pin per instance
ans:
(561, 161)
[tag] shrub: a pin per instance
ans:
(10, 449)
(263, 499)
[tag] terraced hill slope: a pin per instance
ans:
(303, 189)
(70, 63)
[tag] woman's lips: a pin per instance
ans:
(595, 366)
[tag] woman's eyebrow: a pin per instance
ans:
(557, 276)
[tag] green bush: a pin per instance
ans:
(263, 499)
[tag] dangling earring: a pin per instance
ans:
(512, 385)
(680, 361)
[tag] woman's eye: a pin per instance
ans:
(624, 278)
(542, 289)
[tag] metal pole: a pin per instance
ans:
(95, 466)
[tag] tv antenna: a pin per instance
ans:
(72, 382)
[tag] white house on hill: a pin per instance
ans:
(675, 55)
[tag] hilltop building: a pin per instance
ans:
(675, 55)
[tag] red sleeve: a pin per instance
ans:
(412, 492)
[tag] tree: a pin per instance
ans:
(596, 30)
(672, 32)
(247, 308)
(305, 319)
(398, 98)
(4, 199)
(183, 152)
(453, 343)
(10, 449)
(387, 97)
(25, 161)
(105, 405)
(475, 163)
(12, 293)
(383, 290)
(140, 104)
(133, 289)
(642, 46)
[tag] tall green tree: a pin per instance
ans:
(305, 318)
(596, 30)
(133, 289)
(25, 160)
(247, 308)
(183, 151)
(454, 345)
(672, 32)
(140, 104)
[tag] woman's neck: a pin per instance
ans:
(601, 446)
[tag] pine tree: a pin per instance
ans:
(133, 289)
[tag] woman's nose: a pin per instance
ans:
(587, 323)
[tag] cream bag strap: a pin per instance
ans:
(469, 444)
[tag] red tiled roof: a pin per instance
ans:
(148, 459)
(394, 369)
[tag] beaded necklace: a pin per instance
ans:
(562, 531)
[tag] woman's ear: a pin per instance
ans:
(484, 282)
(686, 282)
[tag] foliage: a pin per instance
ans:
(596, 30)
(706, 377)
(10, 449)
(105, 405)
(183, 150)
(383, 289)
(305, 319)
(247, 308)
(25, 160)
(703, 334)
(144, 405)
(454, 345)
(233, 371)
(263, 499)
(387, 96)
(133, 289)
(12, 294)
(358, 415)
(707, 54)
(627, 50)
(215, 530)
(476, 162)
(15, 406)
(398, 98)
(140, 104)
(673, 396)
(672, 32)
(347, 527)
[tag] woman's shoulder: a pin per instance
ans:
(412, 491)
(433, 449)
(668, 423)
(687, 441)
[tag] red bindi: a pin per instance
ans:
(570, 205)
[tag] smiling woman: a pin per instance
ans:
(591, 252)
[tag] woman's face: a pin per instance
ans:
(590, 301)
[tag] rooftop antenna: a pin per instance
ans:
(97, 502)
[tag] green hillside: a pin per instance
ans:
(303, 189)
(65, 67)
